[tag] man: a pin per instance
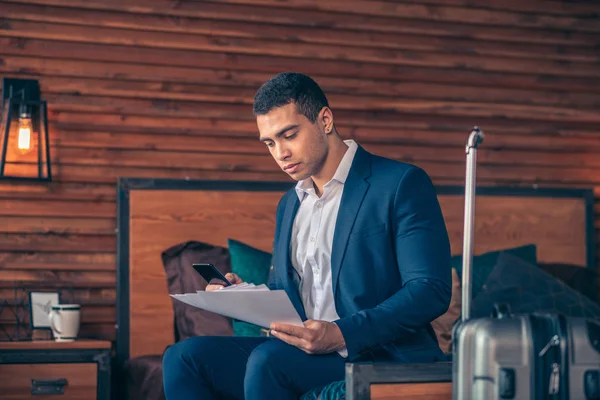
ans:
(360, 247)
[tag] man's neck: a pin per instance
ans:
(334, 158)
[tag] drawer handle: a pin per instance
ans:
(48, 386)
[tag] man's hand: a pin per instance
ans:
(317, 337)
(216, 284)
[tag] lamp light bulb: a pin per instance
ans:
(25, 127)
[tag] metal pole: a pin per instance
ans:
(475, 138)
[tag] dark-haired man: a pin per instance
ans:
(360, 247)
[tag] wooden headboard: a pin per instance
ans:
(154, 215)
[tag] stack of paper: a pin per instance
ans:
(246, 302)
(241, 286)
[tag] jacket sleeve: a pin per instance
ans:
(422, 249)
(273, 282)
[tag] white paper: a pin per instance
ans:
(242, 286)
(256, 305)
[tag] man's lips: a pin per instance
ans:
(290, 167)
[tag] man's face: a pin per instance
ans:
(297, 145)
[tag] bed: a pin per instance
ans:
(156, 214)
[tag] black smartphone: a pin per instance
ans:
(210, 272)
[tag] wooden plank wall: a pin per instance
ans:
(163, 88)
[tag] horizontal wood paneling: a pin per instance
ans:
(405, 10)
(163, 88)
(54, 242)
(64, 208)
(309, 13)
(28, 14)
(53, 258)
(459, 71)
(70, 277)
(68, 224)
(412, 82)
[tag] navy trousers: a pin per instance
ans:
(251, 368)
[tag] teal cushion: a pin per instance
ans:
(252, 265)
(483, 264)
(332, 391)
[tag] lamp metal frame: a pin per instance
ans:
(19, 94)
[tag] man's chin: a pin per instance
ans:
(299, 176)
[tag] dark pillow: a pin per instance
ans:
(580, 278)
(191, 321)
(526, 289)
(483, 264)
(143, 375)
(253, 266)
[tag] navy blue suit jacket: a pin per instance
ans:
(390, 261)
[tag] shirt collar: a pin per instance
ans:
(305, 186)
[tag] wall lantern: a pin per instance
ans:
(24, 146)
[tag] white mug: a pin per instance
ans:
(64, 321)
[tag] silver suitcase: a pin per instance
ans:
(527, 356)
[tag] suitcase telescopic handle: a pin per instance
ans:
(475, 139)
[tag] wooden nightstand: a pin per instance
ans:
(73, 370)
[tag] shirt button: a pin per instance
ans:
(312, 239)
(318, 205)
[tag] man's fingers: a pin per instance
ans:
(289, 339)
(290, 330)
(233, 278)
(216, 284)
(212, 287)
(311, 323)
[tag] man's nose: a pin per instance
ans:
(282, 153)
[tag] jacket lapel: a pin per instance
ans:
(289, 276)
(355, 188)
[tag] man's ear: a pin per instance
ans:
(326, 120)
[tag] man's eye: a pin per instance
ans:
(270, 144)
(293, 135)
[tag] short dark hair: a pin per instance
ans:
(289, 87)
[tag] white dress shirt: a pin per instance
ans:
(312, 240)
